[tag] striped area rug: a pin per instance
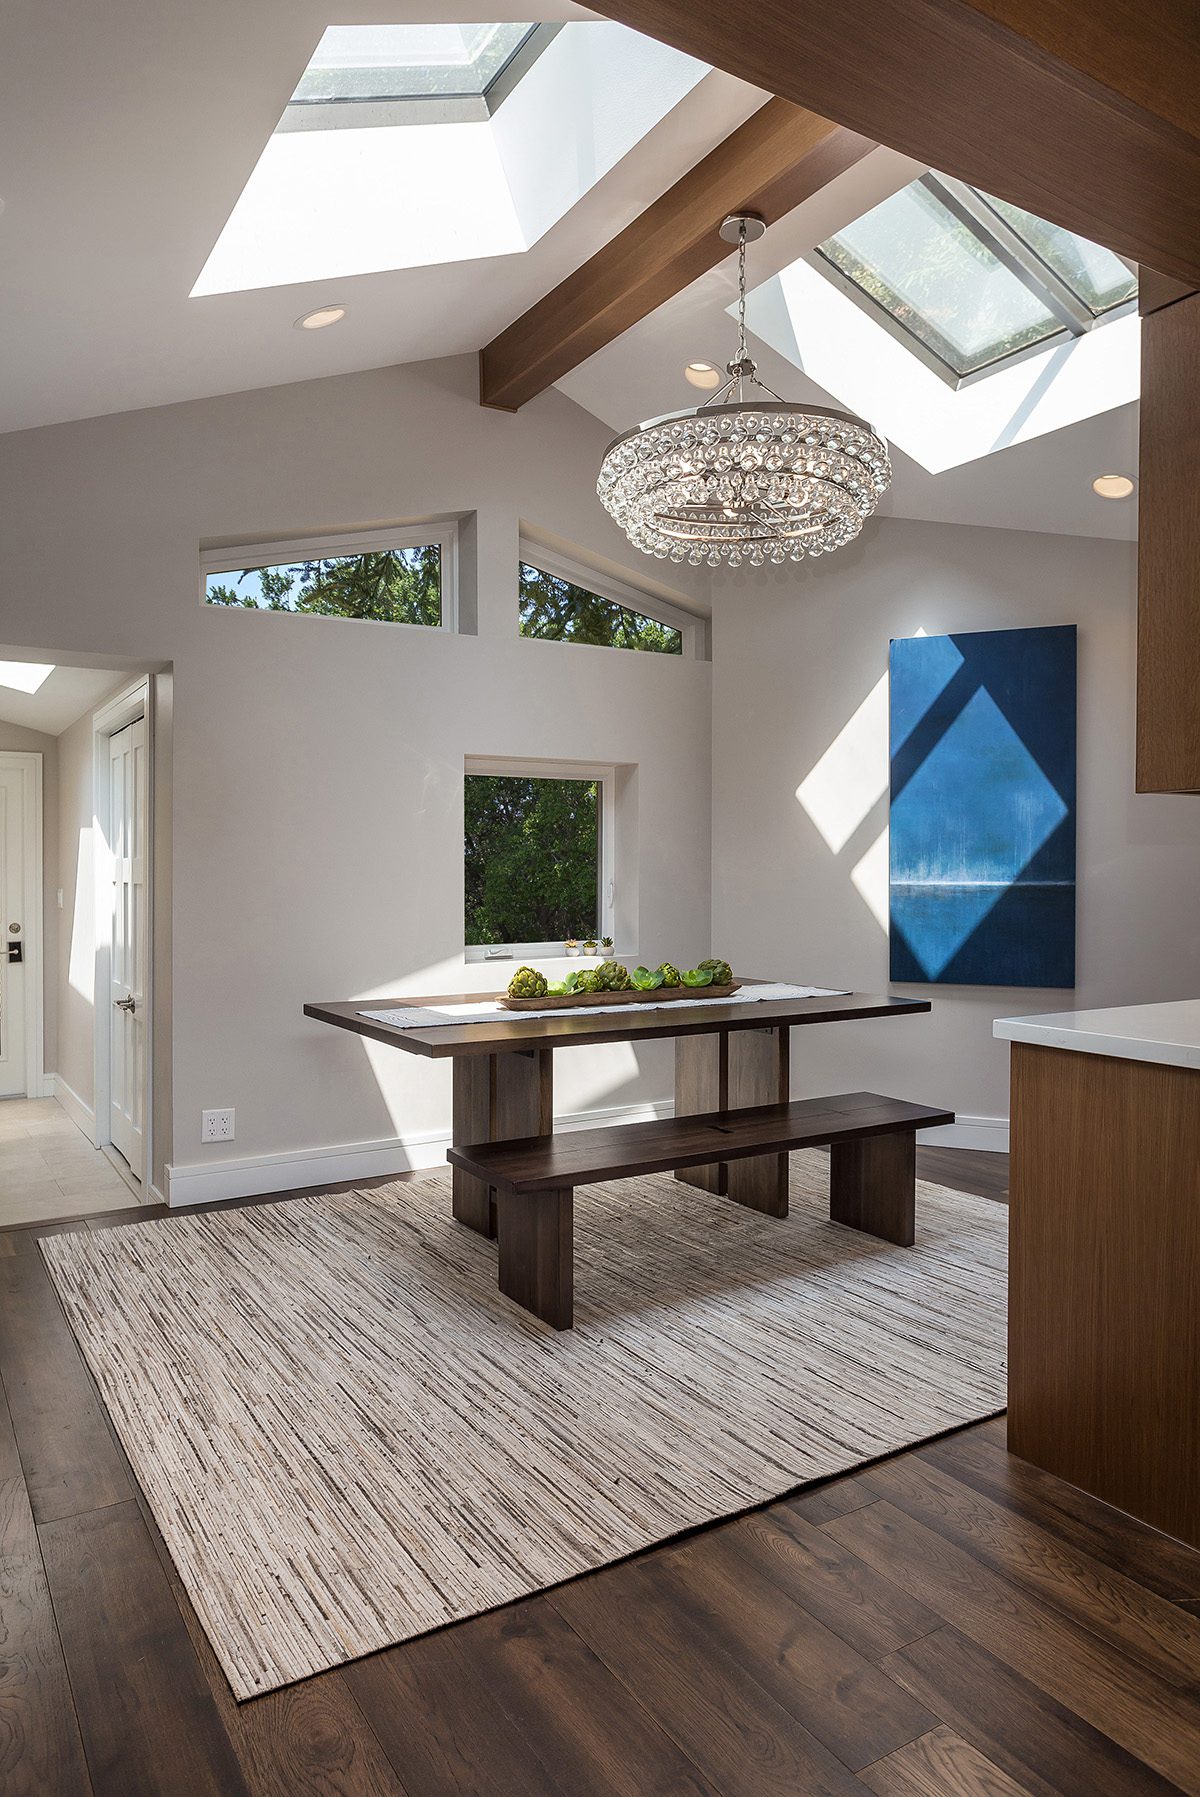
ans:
(348, 1437)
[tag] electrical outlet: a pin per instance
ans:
(216, 1126)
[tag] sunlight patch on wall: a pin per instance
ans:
(852, 774)
(869, 878)
(81, 964)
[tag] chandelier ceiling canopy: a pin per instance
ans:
(744, 478)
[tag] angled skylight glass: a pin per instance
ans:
(971, 282)
(408, 62)
(930, 273)
(1100, 279)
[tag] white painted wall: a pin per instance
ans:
(25, 741)
(794, 656)
(317, 764)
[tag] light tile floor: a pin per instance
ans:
(49, 1169)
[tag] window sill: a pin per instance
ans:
(540, 958)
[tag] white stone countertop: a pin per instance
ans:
(1168, 1033)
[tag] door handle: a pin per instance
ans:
(125, 1004)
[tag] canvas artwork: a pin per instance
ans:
(982, 838)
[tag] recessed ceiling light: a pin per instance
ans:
(1112, 486)
(316, 321)
(702, 374)
(25, 676)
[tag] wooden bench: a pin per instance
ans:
(872, 1176)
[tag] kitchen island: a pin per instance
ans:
(1104, 1305)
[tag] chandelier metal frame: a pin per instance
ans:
(738, 478)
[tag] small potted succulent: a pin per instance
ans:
(590, 946)
(606, 945)
(571, 946)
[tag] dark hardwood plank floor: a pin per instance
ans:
(946, 1623)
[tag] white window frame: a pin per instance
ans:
(618, 592)
(442, 531)
(606, 777)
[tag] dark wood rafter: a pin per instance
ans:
(778, 158)
(1156, 291)
(1091, 122)
(1168, 651)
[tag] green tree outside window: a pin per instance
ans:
(532, 858)
(391, 586)
(552, 607)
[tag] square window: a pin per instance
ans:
(536, 856)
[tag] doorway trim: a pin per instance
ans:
(125, 707)
(29, 761)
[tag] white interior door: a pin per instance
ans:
(127, 1011)
(13, 1071)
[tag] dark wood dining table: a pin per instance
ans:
(728, 1055)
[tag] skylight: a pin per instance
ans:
(25, 676)
(410, 146)
(358, 68)
(970, 282)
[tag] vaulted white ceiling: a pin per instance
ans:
(128, 132)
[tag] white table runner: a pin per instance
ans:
(411, 1017)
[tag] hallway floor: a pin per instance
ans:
(49, 1169)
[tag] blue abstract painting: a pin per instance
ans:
(982, 839)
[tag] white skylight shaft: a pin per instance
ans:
(321, 204)
(25, 676)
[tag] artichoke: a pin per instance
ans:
(671, 976)
(615, 976)
(698, 976)
(722, 972)
(645, 981)
(527, 982)
(591, 981)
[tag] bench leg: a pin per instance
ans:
(495, 1098)
(873, 1186)
(537, 1253)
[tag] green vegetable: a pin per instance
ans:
(698, 976)
(722, 972)
(591, 981)
(527, 982)
(645, 981)
(615, 976)
(671, 976)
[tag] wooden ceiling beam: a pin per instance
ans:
(779, 157)
(1088, 117)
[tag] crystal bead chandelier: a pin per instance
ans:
(737, 479)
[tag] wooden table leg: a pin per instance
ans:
(497, 1097)
(729, 1071)
(759, 1073)
(537, 1253)
(873, 1186)
(702, 1084)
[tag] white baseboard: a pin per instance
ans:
(77, 1110)
(990, 1133)
(208, 1182)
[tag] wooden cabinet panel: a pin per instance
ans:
(1104, 1305)
(1168, 655)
